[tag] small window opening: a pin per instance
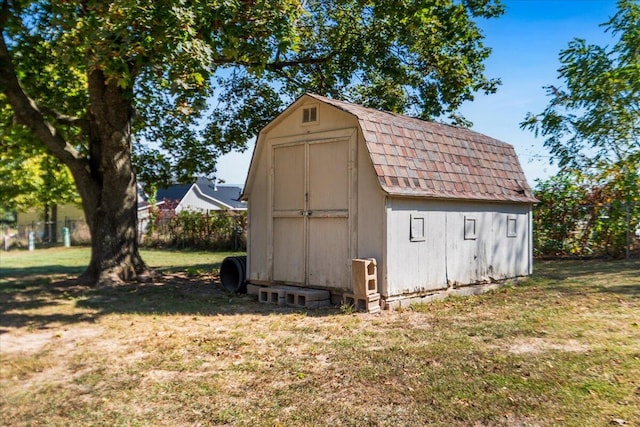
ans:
(310, 115)
(512, 229)
(417, 228)
(470, 231)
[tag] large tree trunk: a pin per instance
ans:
(111, 213)
(105, 178)
(110, 196)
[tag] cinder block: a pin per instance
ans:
(364, 276)
(307, 298)
(263, 295)
(369, 303)
(274, 294)
(294, 296)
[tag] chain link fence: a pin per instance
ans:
(46, 234)
(217, 230)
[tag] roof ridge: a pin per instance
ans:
(415, 157)
(346, 106)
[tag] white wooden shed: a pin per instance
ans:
(439, 207)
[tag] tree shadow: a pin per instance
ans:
(623, 276)
(196, 269)
(169, 294)
(43, 270)
(33, 300)
(630, 290)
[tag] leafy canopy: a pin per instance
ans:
(593, 120)
(587, 213)
(28, 176)
(204, 76)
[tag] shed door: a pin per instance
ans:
(311, 213)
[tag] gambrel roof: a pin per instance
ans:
(413, 157)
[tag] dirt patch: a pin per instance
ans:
(33, 342)
(540, 345)
(25, 343)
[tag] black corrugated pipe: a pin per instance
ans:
(233, 274)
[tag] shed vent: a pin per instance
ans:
(310, 115)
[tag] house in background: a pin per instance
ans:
(66, 212)
(49, 228)
(204, 195)
(439, 207)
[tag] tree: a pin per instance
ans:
(586, 214)
(592, 123)
(595, 118)
(29, 178)
(96, 81)
(559, 214)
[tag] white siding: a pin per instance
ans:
(446, 257)
(258, 218)
(194, 201)
(329, 119)
(415, 266)
(512, 255)
(370, 222)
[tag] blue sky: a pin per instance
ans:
(526, 42)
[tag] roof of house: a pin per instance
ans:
(413, 157)
(223, 194)
(174, 192)
(227, 194)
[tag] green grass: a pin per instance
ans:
(562, 348)
(58, 262)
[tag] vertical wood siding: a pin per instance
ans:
(446, 257)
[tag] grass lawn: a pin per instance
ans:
(562, 348)
(60, 263)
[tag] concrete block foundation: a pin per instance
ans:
(368, 304)
(293, 296)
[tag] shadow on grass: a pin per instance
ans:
(171, 294)
(42, 270)
(198, 268)
(562, 269)
(622, 277)
(31, 299)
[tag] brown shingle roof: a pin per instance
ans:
(413, 157)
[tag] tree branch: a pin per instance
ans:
(4, 13)
(279, 65)
(65, 119)
(28, 114)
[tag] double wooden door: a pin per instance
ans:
(310, 211)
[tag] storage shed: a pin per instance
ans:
(439, 207)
